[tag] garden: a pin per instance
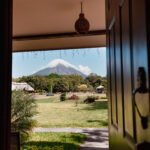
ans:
(72, 103)
(72, 112)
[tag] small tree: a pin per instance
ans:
(22, 111)
(83, 88)
(94, 80)
(61, 86)
(63, 97)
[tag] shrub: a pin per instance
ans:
(103, 97)
(83, 88)
(91, 99)
(60, 86)
(74, 97)
(22, 111)
(63, 97)
(96, 97)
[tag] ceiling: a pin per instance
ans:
(49, 24)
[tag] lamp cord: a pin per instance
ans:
(81, 7)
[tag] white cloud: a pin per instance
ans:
(85, 69)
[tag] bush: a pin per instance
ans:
(22, 111)
(91, 99)
(74, 97)
(103, 97)
(61, 86)
(83, 88)
(63, 97)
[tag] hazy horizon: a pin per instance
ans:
(91, 60)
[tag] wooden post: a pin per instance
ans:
(5, 72)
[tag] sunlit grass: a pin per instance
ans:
(54, 141)
(53, 113)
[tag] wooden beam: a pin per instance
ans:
(58, 35)
(5, 72)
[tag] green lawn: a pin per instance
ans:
(54, 141)
(53, 113)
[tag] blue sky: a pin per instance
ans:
(88, 60)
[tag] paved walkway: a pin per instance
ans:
(97, 138)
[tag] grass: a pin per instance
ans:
(53, 113)
(54, 141)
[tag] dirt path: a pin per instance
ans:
(97, 138)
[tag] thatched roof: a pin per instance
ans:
(22, 86)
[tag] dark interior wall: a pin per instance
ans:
(127, 50)
(5, 72)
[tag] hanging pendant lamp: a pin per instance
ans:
(82, 25)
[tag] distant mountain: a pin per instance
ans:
(61, 67)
